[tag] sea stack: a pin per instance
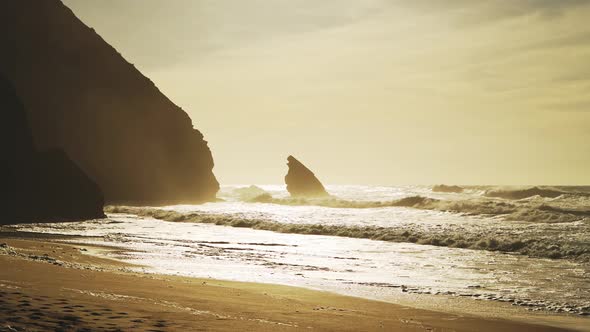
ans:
(81, 96)
(39, 186)
(301, 182)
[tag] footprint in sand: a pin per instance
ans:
(35, 316)
(84, 329)
(71, 318)
(160, 324)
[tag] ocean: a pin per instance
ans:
(529, 247)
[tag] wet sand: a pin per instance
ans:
(51, 286)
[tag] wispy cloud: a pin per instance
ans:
(486, 10)
(496, 78)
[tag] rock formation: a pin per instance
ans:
(301, 182)
(443, 188)
(83, 97)
(39, 186)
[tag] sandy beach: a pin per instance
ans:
(368, 165)
(51, 286)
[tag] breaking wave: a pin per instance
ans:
(532, 241)
(515, 211)
(525, 193)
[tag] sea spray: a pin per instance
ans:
(521, 211)
(528, 240)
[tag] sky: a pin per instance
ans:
(378, 92)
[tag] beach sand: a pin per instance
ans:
(51, 286)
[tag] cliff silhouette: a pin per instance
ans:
(81, 96)
(39, 185)
(301, 182)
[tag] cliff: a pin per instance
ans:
(301, 182)
(83, 97)
(39, 186)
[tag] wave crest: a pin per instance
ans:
(535, 244)
(513, 211)
(524, 193)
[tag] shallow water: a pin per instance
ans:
(354, 266)
(551, 227)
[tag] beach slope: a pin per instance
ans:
(47, 285)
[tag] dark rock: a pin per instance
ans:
(301, 182)
(39, 186)
(82, 97)
(442, 188)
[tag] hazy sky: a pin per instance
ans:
(371, 91)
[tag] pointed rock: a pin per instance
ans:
(301, 182)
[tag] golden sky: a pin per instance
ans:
(371, 91)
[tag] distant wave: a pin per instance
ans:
(443, 188)
(249, 193)
(534, 243)
(515, 211)
(525, 193)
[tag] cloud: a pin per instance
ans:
(494, 10)
(461, 74)
(570, 106)
(187, 29)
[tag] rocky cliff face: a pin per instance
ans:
(39, 186)
(83, 97)
(301, 182)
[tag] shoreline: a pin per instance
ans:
(530, 241)
(37, 266)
